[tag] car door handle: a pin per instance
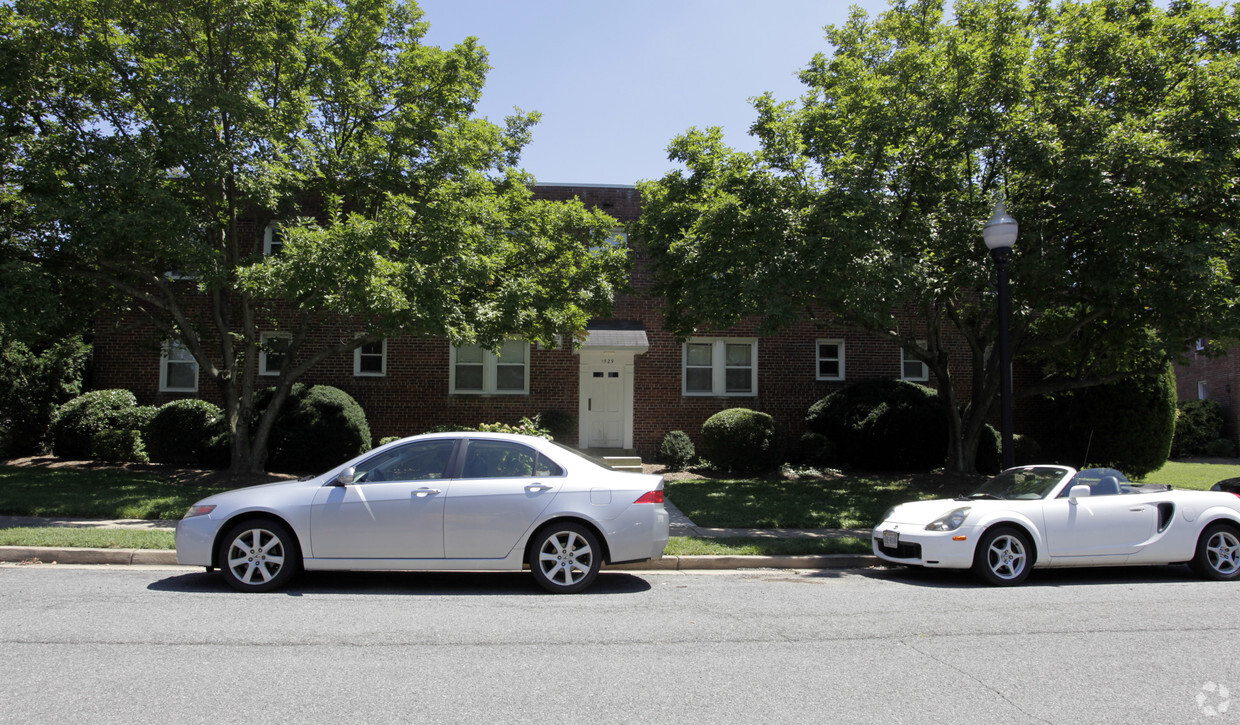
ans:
(1137, 508)
(533, 487)
(424, 492)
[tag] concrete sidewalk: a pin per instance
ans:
(681, 525)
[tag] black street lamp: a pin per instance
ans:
(1000, 235)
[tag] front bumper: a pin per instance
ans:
(195, 539)
(918, 547)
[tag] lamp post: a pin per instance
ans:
(1000, 234)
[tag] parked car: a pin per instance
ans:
(1054, 516)
(476, 501)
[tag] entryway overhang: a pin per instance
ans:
(606, 391)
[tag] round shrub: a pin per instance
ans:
(676, 452)
(738, 439)
(181, 431)
(318, 427)
(814, 449)
(884, 424)
(118, 446)
(1197, 423)
(76, 422)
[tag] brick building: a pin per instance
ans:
(1212, 378)
(629, 383)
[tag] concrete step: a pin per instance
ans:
(632, 464)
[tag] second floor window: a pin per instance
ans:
(830, 360)
(273, 240)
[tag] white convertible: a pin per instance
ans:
(1054, 516)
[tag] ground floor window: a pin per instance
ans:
(830, 359)
(722, 366)
(178, 370)
(370, 360)
(478, 371)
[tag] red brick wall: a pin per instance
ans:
(413, 396)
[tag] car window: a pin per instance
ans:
(425, 460)
(1101, 482)
(504, 459)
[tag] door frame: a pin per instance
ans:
(616, 359)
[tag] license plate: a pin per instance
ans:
(891, 539)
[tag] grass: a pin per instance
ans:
(87, 538)
(833, 501)
(104, 493)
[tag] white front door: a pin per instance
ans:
(605, 409)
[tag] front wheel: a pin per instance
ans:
(258, 556)
(565, 558)
(1004, 557)
(1218, 553)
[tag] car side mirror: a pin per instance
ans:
(346, 477)
(1081, 491)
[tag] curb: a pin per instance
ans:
(167, 557)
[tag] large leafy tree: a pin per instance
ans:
(1110, 128)
(148, 143)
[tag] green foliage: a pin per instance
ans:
(186, 131)
(525, 426)
(317, 427)
(118, 446)
(32, 384)
(1108, 126)
(389, 439)
(883, 425)
(76, 422)
(814, 449)
(676, 451)
(1220, 448)
(990, 451)
(1197, 423)
(181, 431)
(738, 439)
(1127, 425)
(562, 426)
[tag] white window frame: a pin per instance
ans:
(269, 233)
(358, 354)
(490, 372)
(819, 359)
(1203, 390)
(719, 367)
(166, 360)
(905, 361)
(262, 351)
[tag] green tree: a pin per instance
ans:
(1109, 127)
(146, 138)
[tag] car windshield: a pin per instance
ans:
(1021, 483)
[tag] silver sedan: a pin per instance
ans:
(468, 501)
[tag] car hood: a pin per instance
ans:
(288, 485)
(920, 513)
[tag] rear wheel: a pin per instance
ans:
(565, 558)
(259, 555)
(1218, 553)
(1003, 557)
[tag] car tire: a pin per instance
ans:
(1003, 557)
(565, 557)
(258, 555)
(1218, 553)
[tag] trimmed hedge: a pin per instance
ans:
(75, 423)
(1198, 424)
(738, 439)
(677, 452)
(883, 425)
(118, 446)
(317, 427)
(182, 431)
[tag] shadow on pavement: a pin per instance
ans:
(425, 584)
(1084, 576)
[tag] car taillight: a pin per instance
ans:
(651, 497)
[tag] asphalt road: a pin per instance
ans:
(137, 644)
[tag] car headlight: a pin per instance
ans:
(198, 510)
(949, 521)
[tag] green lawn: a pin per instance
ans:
(104, 493)
(847, 501)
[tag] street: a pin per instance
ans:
(139, 644)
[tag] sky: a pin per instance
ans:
(617, 81)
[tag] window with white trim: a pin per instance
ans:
(911, 368)
(478, 371)
(178, 370)
(1203, 391)
(723, 366)
(370, 360)
(273, 239)
(272, 352)
(830, 359)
